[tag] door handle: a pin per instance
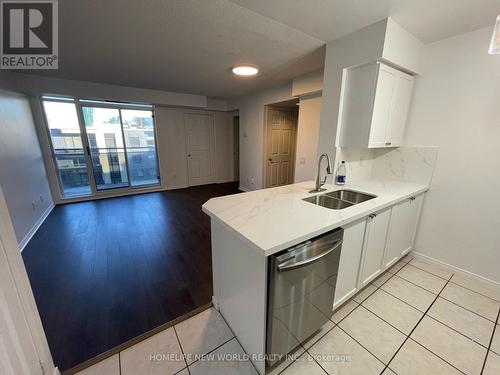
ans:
(189, 155)
(285, 266)
(270, 159)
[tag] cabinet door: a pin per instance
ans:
(386, 85)
(404, 222)
(350, 259)
(399, 109)
(375, 243)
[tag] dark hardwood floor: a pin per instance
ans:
(106, 271)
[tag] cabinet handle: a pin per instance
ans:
(412, 199)
(388, 143)
(372, 216)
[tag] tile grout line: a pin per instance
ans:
(182, 350)
(441, 358)
(430, 273)
(385, 321)
(357, 342)
(457, 331)
(491, 341)
(416, 325)
(475, 291)
(465, 308)
(420, 286)
(238, 341)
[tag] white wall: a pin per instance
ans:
(357, 48)
(22, 172)
(251, 110)
(384, 40)
(224, 146)
(456, 106)
(307, 138)
(39, 85)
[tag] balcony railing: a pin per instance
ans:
(109, 167)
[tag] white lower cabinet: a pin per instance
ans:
(350, 258)
(377, 228)
(403, 228)
(373, 244)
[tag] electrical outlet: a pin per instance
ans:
(33, 205)
(41, 198)
(252, 181)
(302, 160)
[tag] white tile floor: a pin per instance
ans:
(416, 319)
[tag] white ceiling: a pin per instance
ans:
(190, 45)
(428, 20)
(179, 45)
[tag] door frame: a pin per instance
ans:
(31, 317)
(268, 107)
(95, 194)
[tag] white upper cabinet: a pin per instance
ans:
(374, 107)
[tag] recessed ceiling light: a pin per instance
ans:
(245, 70)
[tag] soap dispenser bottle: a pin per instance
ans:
(341, 174)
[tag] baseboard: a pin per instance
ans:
(456, 269)
(215, 303)
(35, 227)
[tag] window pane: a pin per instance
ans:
(138, 128)
(69, 155)
(104, 134)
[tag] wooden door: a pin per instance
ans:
(200, 148)
(375, 243)
(280, 146)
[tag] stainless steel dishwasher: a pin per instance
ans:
(301, 288)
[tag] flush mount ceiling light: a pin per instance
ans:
(495, 39)
(245, 70)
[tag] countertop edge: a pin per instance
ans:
(273, 250)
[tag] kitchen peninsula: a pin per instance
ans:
(249, 228)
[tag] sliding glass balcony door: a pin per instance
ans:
(106, 147)
(68, 151)
(99, 146)
(122, 146)
(140, 142)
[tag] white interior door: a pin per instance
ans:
(200, 148)
(281, 134)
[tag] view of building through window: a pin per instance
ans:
(121, 145)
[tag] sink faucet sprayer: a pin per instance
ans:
(319, 182)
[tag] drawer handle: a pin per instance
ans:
(388, 143)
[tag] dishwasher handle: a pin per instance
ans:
(290, 264)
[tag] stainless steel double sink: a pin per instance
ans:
(339, 199)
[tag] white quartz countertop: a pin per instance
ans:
(274, 219)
